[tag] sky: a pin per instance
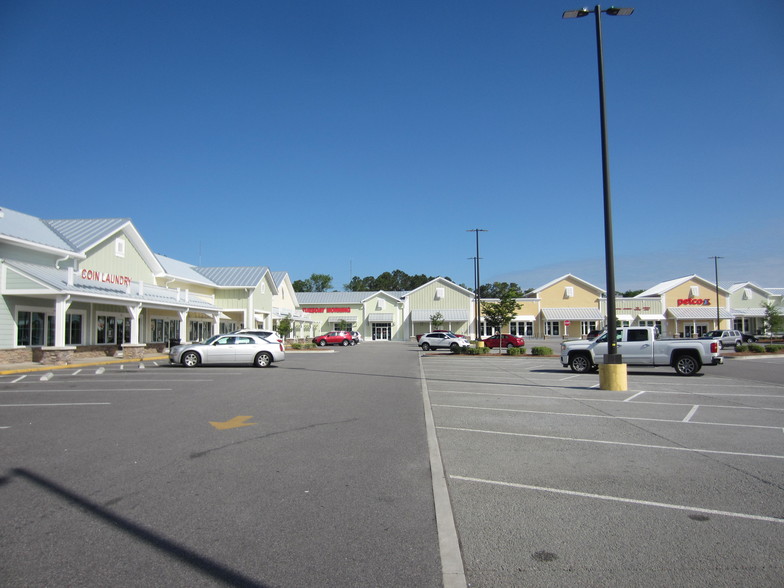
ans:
(354, 137)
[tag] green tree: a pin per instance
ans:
(284, 327)
(629, 293)
(315, 283)
(498, 314)
(343, 325)
(774, 321)
(436, 320)
(498, 289)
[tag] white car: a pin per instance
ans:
(442, 341)
(242, 348)
(725, 338)
(356, 338)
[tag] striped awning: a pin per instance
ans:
(698, 312)
(572, 314)
(749, 312)
(453, 314)
(336, 318)
(380, 317)
(651, 317)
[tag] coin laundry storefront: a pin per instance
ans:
(93, 286)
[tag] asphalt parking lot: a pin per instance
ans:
(117, 475)
(553, 482)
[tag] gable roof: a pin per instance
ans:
(443, 281)
(235, 277)
(585, 284)
(664, 287)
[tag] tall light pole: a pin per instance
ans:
(716, 259)
(477, 282)
(612, 356)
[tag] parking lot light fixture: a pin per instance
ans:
(612, 357)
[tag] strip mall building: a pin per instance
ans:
(87, 286)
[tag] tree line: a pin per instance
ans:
(398, 281)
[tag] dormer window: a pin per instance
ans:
(746, 293)
(439, 293)
(119, 247)
(694, 292)
(569, 292)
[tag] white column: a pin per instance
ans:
(61, 305)
(183, 325)
(135, 312)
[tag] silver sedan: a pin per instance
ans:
(243, 349)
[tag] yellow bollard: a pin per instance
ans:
(613, 377)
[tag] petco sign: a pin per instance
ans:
(694, 302)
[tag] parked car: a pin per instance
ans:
(442, 340)
(593, 334)
(725, 338)
(505, 340)
(229, 349)
(418, 337)
(356, 338)
(334, 338)
(261, 333)
(642, 346)
(747, 338)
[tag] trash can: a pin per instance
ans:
(173, 342)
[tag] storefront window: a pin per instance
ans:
(30, 327)
(111, 330)
(522, 328)
(73, 329)
(553, 328)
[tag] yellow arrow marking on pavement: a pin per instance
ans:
(237, 421)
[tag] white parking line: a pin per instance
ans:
(711, 511)
(692, 412)
(603, 442)
(19, 379)
(602, 416)
(58, 404)
(634, 396)
(610, 400)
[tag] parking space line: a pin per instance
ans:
(691, 413)
(603, 416)
(604, 442)
(634, 501)
(646, 402)
(632, 397)
(57, 404)
(19, 379)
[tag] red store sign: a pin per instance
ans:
(314, 310)
(95, 276)
(694, 301)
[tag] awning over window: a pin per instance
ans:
(749, 312)
(572, 314)
(525, 317)
(380, 317)
(651, 317)
(450, 315)
(336, 318)
(700, 313)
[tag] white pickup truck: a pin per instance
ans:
(641, 346)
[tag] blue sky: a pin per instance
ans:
(357, 137)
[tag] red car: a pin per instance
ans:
(334, 338)
(507, 341)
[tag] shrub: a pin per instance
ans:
(516, 351)
(541, 351)
(741, 348)
(774, 348)
(474, 350)
(754, 348)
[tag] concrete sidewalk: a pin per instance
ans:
(19, 368)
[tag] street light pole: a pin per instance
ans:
(478, 283)
(612, 356)
(716, 259)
